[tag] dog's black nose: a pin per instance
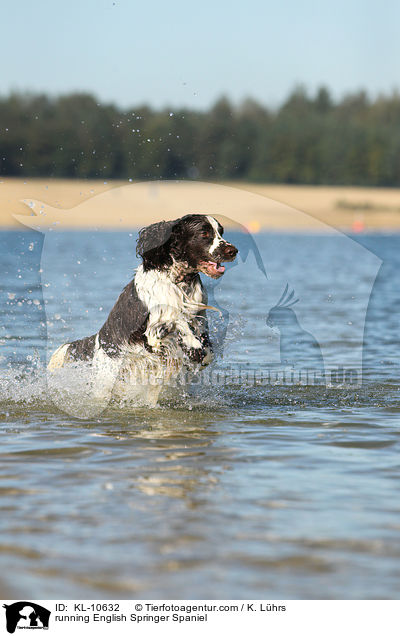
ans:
(230, 251)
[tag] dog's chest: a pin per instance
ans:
(158, 291)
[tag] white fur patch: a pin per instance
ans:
(171, 307)
(217, 236)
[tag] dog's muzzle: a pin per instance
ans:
(226, 252)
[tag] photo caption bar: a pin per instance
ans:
(275, 617)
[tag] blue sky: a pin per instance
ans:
(189, 53)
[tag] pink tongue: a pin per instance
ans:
(216, 267)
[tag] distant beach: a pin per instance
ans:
(352, 209)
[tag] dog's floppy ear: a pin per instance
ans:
(154, 244)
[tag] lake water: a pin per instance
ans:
(255, 483)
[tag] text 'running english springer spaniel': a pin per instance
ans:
(158, 326)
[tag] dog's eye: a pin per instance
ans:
(205, 234)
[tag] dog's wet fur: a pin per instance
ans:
(158, 325)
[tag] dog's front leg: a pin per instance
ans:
(156, 333)
(197, 347)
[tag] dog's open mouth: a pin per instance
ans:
(211, 268)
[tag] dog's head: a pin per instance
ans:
(194, 243)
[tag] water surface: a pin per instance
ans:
(230, 491)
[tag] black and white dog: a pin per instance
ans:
(158, 326)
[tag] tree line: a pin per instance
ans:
(307, 140)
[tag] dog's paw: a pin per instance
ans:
(190, 341)
(156, 335)
(202, 356)
(208, 356)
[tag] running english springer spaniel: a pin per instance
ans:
(158, 326)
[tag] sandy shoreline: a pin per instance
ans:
(257, 207)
